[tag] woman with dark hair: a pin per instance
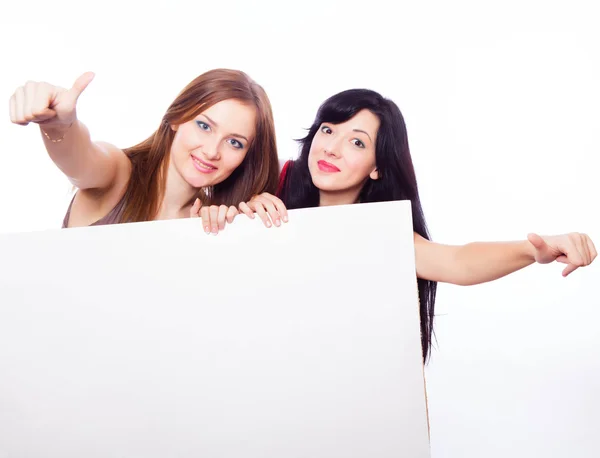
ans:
(214, 147)
(357, 151)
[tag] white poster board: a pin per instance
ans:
(155, 339)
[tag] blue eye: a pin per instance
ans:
(326, 130)
(203, 126)
(236, 144)
(357, 142)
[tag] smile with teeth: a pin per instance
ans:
(203, 166)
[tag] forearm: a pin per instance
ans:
(84, 162)
(481, 262)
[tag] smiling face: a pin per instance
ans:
(207, 149)
(342, 157)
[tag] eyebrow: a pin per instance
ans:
(233, 135)
(358, 130)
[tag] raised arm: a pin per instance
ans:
(88, 165)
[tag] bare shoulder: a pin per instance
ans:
(119, 158)
(90, 205)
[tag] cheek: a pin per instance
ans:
(188, 138)
(359, 165)
(312, 156)
(232, 160)
(316, 146)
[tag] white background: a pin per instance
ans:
(501, 103)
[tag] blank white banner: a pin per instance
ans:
(155, 339)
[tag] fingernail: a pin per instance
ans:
(285, 219)
(215, 230)
(277, 222)
(207, 229)
(268, 223)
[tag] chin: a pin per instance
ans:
(201, 182)
(325, 183)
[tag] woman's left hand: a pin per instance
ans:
(574, 249)
(213, 217)
(270, 208)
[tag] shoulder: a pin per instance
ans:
(122, 164)
(115, 154)
(90, 205)
(284, 167)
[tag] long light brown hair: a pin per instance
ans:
(150, 159)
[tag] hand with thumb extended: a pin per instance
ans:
(45, 104)
(574, 249)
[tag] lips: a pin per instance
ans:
(203, 166)
(325, 166)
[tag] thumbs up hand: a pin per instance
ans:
(45, 104)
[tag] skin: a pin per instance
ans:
(346, 153)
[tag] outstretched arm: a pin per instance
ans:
(481, 262)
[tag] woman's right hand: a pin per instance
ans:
(47, 105)
(213, 217)
(270, 208)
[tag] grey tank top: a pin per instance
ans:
(112, 217)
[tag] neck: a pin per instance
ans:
(345, 197)
(178, 198)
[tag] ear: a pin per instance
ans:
(374, 175)
(174, 127)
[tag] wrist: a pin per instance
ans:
(528, 250)
(55, 132)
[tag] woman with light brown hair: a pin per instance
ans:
(214, 148)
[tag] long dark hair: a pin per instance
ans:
(397, 180)
(257, 173)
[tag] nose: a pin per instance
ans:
(332, 148)
(210, 149)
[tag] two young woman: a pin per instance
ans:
(214, 155)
